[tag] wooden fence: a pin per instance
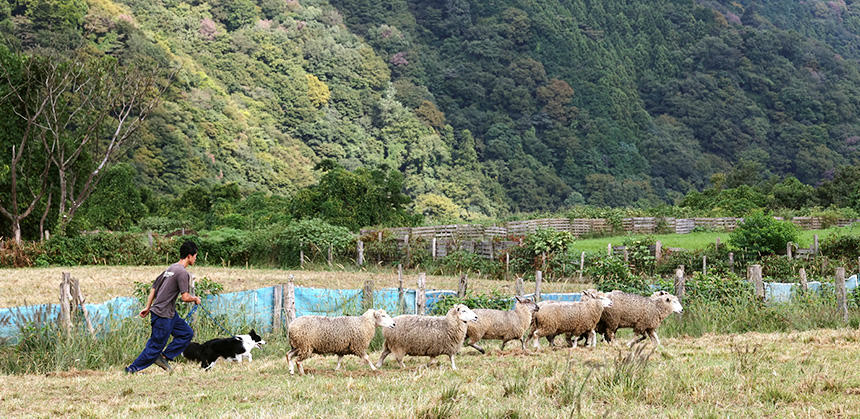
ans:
(582, 226)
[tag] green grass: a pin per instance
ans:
(699, 240)
(788, 375)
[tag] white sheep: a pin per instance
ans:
(344, 335)
(504, 325)
(642, 314)
(427, 335)
(573, 319)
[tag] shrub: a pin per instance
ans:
(224, 246)
(465, 261)
(611, 273)
(494, 300)
(639, 255)
(842, 246)
(760, 234)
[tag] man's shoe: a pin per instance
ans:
(128, 370)
(161, 361)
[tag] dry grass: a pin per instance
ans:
(804, 374)
(101, 283)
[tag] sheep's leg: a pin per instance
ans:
(480, 349)
(339, 357)
(366, 358)
(654, 338)
(636, 340)
(430, 362)
(385, 353)
(453, 366)
(502, 348)
(609, 335)
(290, 356)
(301, 367)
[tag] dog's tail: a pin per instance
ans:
(194, 352)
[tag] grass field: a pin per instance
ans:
(101, 283)
(800, 374)
(699, 240)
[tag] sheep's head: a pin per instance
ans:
(593, 294)
(668, 299)
(464, 313)
(383, 319)
(528, 303)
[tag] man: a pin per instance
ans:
(173, 282)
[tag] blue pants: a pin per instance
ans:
(162, 328)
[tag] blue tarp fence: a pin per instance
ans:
(255, 307)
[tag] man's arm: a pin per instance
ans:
(149, 301)
(188, 298)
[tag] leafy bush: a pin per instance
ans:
(841, 246)
(109, 249)
(465, 261)
(639, 255)
(225, 246)
(760, 234)
(610, 273)
(494, 300)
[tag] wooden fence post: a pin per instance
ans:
(788, 250)
(680, 286)
(401, 293)
(301, 256)
(803, 285)
(732, 261)
(420, 296)
(581, 266)
(704, 265)
(755, 272)
(538, 280)
(815, 244)
(658, 250)
(518, 286)
(717, 244)
(359, 260)
(609, 249)
(329, 255)
(433, 251)
(841, 293)
(626, 255)
(290, 301)
(507, 262)
(367, 295)
(65, 304)
(277, 306)
(78, 298)
(408, 249)
(461, 289)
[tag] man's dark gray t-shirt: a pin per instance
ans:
(169, 285)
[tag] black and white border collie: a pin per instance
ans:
(231, 349)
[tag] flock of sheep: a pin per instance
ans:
(433, 336)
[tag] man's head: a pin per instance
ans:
(188, 251)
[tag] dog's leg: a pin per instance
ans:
(339, 357)
(290, 355)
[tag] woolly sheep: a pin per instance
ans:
(344, 335)
(427, 335)
(573, 319)
(504, 325)
(642, 314)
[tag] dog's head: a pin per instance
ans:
(258, 341)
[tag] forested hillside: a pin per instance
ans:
(485, 107)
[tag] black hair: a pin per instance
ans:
(188, 248)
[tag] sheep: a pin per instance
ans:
(573, 319)
(344, 335)
(427, 335)
(504, 325)
(642, 314)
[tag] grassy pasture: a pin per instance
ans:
(797, 374)
(699, 240)
(101, 283)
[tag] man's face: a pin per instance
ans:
(192, 259)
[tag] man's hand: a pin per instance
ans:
(197, 300)
(144, 312)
